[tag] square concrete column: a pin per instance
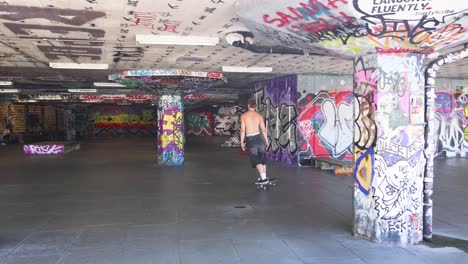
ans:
(170, 130)
(69, 120)
(389, 116)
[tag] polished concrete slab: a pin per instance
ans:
(110, 203)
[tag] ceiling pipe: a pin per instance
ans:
(245, 39)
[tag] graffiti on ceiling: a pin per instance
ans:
(354, 27)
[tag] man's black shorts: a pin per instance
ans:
(256, 149)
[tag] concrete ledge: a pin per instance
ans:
(50, 148)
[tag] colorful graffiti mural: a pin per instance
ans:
(169, 80)
(199, 123)
(122, 121)
(326, 124)
(277, 100)
(451, 124)
(227, 122)
(324, 105)
(352, 28)
(171, 138)
(365, 136)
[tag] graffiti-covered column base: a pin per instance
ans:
(389, 141)
(170, 130)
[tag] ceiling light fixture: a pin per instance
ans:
(6, 83)
(177, 40)
(9, 91)
(246, 69)
(108, 84)
(85, 66)
(82, 90)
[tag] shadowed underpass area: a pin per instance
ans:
(129, 130)
(109, 203)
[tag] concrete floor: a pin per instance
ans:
(109, 203)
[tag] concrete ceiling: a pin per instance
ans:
(36, 32)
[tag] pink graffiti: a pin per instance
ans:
(367, 77)
(43, 149)
(116, 97)
(313, 16)
(144, 19)
(402, 50)
(171, 26)
(197, 96)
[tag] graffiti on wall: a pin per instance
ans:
(430, 131)
(365, 136)
(326, 123)
(399, 183)
(324, 102)
(389, 150)
(199, 123)
(170, 130)
(365, 128)
(44, 149)
(451, 123)
(466, 127)
(122, 121)
(277, 100)
(227, 121)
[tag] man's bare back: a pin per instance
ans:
(252, 121)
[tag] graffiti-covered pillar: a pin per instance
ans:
(389, 116)
(170, 130)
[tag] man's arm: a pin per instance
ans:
(242, 132)
(264, 132)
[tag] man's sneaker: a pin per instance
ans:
(260, 182)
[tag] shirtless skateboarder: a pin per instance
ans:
(254, 133)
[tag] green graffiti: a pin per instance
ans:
(197, 120)
(130, 82)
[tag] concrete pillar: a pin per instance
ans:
(431, 140)
(389, 116)
(69, 128)
(170, 130)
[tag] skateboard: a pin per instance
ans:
(270, 183)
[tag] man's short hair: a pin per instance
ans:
(252, 103)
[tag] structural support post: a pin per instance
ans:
(430, 147)
(389, 118)
(69, 121)
(170, 130)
